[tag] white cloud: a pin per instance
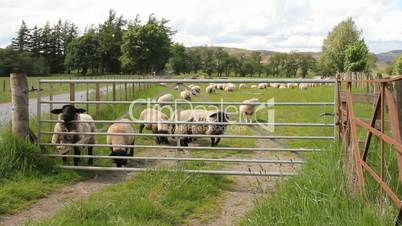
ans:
(282, 25)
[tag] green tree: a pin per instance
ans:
(306, 62)
(179, 59)
(222, 60)
(356, 57)
(21, 42)
(83, 53)
(333, 56)
(397, 65)
(111, 37)
(146, 48)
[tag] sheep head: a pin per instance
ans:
(67, 113)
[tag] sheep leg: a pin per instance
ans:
(131, 152)
(217, 141)
(64, 160)
(141, 127)
(212, 141)
(76, 159)
(90, 152)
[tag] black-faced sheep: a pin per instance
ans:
(67, 114)
(200, 116)
(111, 139)
(152, 115)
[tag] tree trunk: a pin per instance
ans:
(20, 107)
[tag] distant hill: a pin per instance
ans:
(265, 54)
(387, 57)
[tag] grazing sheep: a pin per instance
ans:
(210, 89)
(242, 86)
(230, 87)
(303, 85)
(220, 86)
(67, 114)
(283, 86)
(166, 98)
(274, 85)
(120, 127)
(253, 86)
(214, 85)
(185, 94)
(247, 110)
(195, 90)
(262, 85)
(201, 116)
(176, 88)
(292, 85)
(152, 115)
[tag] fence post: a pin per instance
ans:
(125, 91)
(114, 91)
(50, 105)
(20, 105)
(97, 99)
(72, 92)
(4, 85)
(398, 95)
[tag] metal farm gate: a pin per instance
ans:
(45, 125)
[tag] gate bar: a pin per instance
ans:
(188, 102)
(186, 147)
(215, 172)
(182, 81)
(273, 161)
(200, 123)
(194, 135)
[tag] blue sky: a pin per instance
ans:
(279, 25)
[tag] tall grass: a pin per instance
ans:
(317, 196)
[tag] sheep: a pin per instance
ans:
(282, 86)
(303, 85)
(230, 87)
(248, 109)
(201, 116)
(166, 98)
(253, 86)
(67, 114)
(185, 94)
(262, 85)
(242, 86)
(153, 115)
(214, 85)
(176, 88)
(274, 85)
(292, 85)
(122, 126)
(195, 90)
(220, 86)
(210, 89)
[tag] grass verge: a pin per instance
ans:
(317, 196)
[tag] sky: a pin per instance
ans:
(277, 25)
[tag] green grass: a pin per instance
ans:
(150, 198)
(317, 196)
(25, 175)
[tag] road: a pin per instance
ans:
(6, 108)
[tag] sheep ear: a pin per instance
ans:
(56, 111)
(80, 110)
(213, 115)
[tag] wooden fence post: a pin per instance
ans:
(114, 91)
(20, 105)
(72, 92)
(4, 85)
(398, 95)
(97, 99)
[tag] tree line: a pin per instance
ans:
(134, 46)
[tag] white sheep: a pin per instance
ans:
(195, 90)
(185, 94)
(201, 116)
(67, 114)
(283, 86)
(248, 108)
(152, 115)
(262, 85)
(229, 87)
(220, 86)
(121, 126)
(274, 85)
(210, 89)
(242, 86)
(166, 98)
(253, 86)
